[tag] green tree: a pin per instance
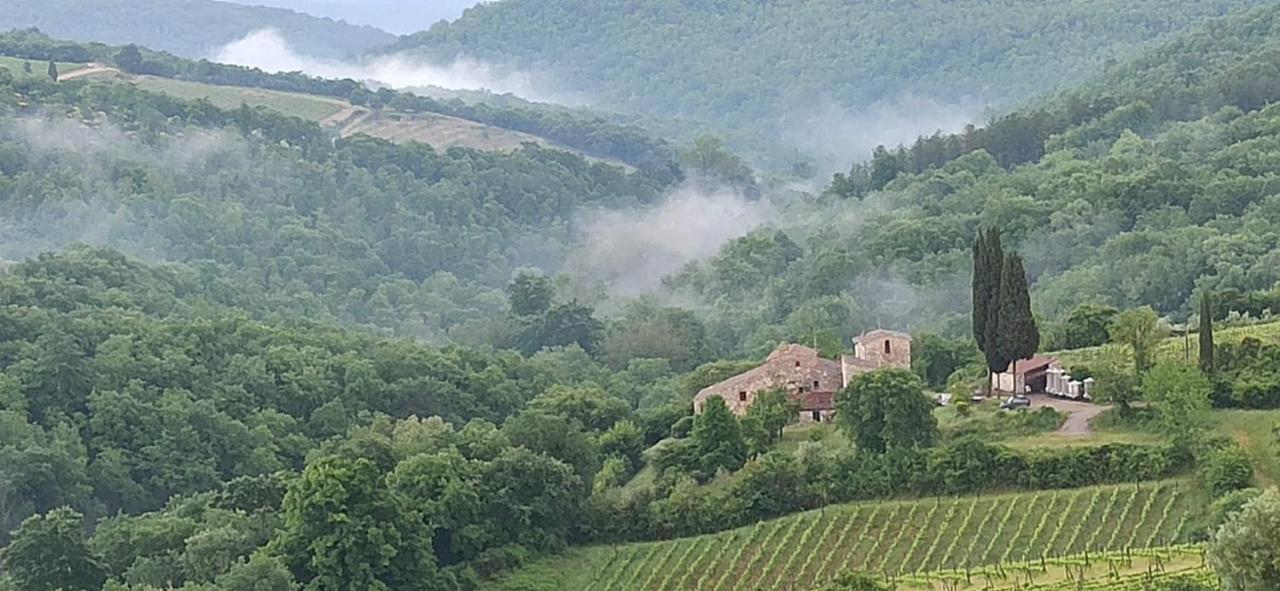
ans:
(49, 552)
(1117, 387)
(557, 437)
(1206, 333)
(593, 409)
(344, 529)
(1140, 330)
(708, 157)
(1088, 325)
(53, 71)
(563, 325)
(774, 410)
(26, 66)
(887, 409)
(1179, 394)
(1245, 552)
(260, 573)
(530, 294)
(623, 440)
(1020, 338)
(1226, 470)
(717, 438)
(988, 265)
(934, 358)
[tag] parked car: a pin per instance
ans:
(1016, 401)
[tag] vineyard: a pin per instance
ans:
(1132, 570)
(1119, 356)
(898, 539)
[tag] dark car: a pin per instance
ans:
(1016, 401)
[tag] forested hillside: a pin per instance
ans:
(190, 28)
(776, 66)
(240, 351)
(348, 105)
(361, 231)
(1147, 185)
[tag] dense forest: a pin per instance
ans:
(192, 28)
(1159, 190)
(773, 67)
(238, 353)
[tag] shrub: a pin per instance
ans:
(1226, 470)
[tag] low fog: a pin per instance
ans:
(630, 251)
(268, 50)
(97, 216)
(834, 136)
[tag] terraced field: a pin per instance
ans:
(897, 538)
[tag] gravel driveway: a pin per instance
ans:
(1078, 414)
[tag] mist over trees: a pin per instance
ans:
(238, 352)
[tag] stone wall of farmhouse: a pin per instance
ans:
(885, 350)
(793, 369)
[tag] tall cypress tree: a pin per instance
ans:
(988, 265)
(981, 289)
(53, 70)
(988, 257)
(1206, 333)
(1020, 336)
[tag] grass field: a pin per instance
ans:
(897, 538)
(1121, 357)
(310, 107)
(1254, 431)
(38, 68)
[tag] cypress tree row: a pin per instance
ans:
(1021, 337)
(1206, 333)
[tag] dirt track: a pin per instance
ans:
(1078, 414)
(88, 70)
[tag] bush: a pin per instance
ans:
(1226, 470)
(1229, 504)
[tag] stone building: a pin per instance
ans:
(807, 377)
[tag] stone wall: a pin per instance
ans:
(884, 349)
(794, 368)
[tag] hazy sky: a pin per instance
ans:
(396, 16)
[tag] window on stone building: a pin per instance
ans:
(817, 416)
(815, 385)
(887, 348)
(742, 396)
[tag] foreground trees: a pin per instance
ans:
(885, 410)
(1245, 552)
(49, 552)
(1140, 330)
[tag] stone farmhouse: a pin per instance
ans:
(807, 377)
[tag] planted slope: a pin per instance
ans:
(897, 538)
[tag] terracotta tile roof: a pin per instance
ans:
(1037, 363)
